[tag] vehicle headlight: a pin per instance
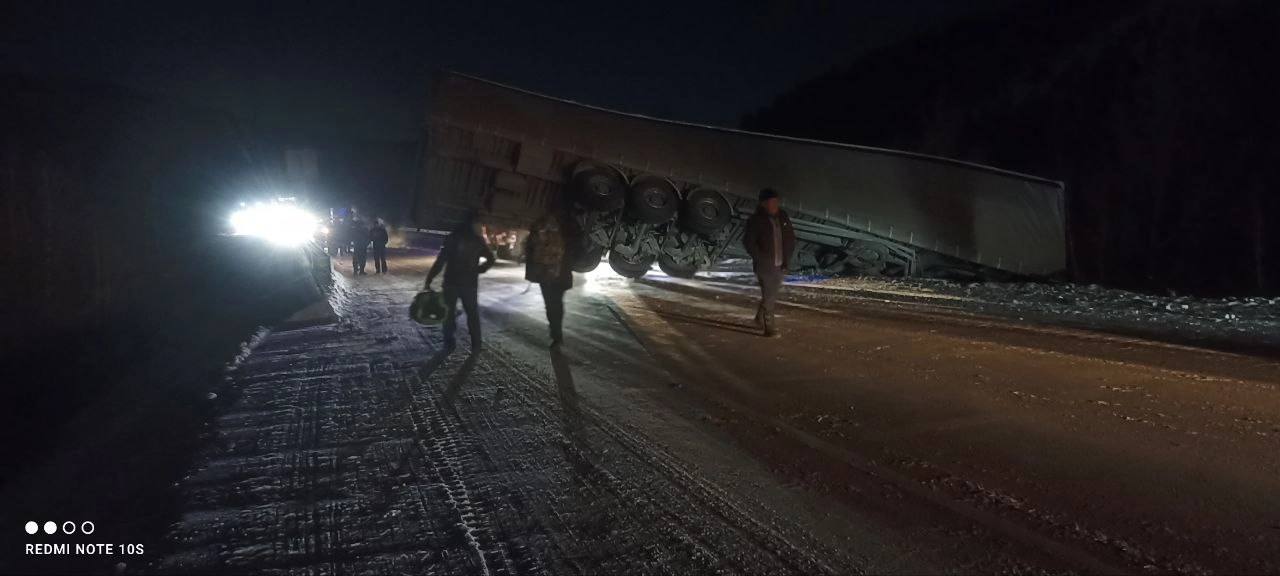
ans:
(281, 224)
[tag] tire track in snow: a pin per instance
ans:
(337, 456)
(706, 495)
(437, 439)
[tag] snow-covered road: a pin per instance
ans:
(667, 437)
(360, 447)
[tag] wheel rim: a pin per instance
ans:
(656, 198)
(600, 189)
(707, 211)
(653, 200)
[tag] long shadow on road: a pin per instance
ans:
(571, 416)
(720, 324)
(432, 364)
(460, 379)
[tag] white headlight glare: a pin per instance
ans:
(281, 224)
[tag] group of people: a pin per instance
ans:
(768, 238)
(465, 256)
(357, 236)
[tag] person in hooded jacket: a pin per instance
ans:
(548, 263)
(378, 234)
(464, 257)
(358, 233)
(770, 240)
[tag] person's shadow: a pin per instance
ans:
(711, 323)
(571, 416)
(438, 359)
(575, 445)
(429, 367)
(455, 384)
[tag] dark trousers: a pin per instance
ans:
(470, 307)
(553, 299)
(358, 255)
(380, 258)
(770, 279)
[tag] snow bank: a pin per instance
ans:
(1254, 318)
(1252, 321)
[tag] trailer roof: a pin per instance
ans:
(872, 149)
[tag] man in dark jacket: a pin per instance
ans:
(359, 235)
(548, 263)
(379, 236)
(770, 239)
(338, 237)
(460, 259)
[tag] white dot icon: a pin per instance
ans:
(32, 527)
(50, 527)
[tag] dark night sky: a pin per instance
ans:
(362, 68)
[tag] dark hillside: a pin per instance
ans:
(1161, 117)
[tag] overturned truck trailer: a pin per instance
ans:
(650, 191)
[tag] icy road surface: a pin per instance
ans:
(667, 437)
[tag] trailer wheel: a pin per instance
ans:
(653, 200)
(670, 267)
(599, 188)
(828, 257)
(587, 259)
(633, 267)
(706, 211)
(869, 259)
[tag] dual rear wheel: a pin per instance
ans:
(587, 259)
(706, 211)
(653, 200)
(638, 265)
(649, 200)
(671, 267)
(630, 266)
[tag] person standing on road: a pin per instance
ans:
(359, 235)
(379, 236)
(460, 258)
(547, 262)
(333, 237)
(770, 239)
